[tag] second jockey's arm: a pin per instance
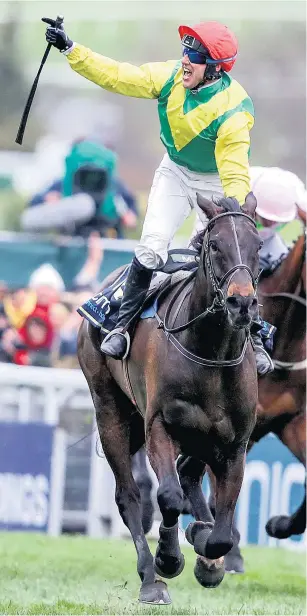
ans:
(231, 153)
(144, 81)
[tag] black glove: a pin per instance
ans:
(56, 35)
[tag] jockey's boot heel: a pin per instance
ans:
(116, 344)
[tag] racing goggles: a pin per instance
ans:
(194, 56)
(198, 54)
(194, 49)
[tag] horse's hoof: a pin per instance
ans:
(209, 573)
(155, 593)
(217, 549)
(279, 527)
(170, 566)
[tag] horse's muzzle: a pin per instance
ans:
(242, 309)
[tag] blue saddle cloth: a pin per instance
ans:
(102, 309)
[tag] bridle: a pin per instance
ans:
(219, 299)
(217, 285)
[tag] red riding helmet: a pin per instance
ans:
(220, 42)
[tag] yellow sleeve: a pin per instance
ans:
(231, 154)
(144, 81)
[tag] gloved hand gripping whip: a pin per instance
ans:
(57, 25)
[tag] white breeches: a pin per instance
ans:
(171, 200)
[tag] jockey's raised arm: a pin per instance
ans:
(205, 119)
(144, 81)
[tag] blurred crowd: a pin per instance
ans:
(39, 324)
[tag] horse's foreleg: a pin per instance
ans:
(169, 560)
(283, 526)
(120, 436)
(191, 473)
(144, 483)
(233, 561)
(229, 477)
(214, 542)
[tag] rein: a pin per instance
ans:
(289, 365)
(218, 303)
(295, 298)
(219, 300)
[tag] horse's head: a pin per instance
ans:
(230, 256)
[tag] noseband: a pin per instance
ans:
(219, 300)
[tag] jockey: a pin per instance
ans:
(205, 118)
(280, 196)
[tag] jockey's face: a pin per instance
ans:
(193, 74)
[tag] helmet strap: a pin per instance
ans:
(210, 74)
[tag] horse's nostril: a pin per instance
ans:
(232, 301)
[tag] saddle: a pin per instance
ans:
(102, 309)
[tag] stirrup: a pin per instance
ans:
(262, 349)
(126, 335)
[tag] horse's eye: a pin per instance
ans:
(213, 246)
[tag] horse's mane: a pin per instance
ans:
(227, 204)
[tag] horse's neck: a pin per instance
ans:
(287, 277)
(212, 336)
(290, 342)
(288, 316)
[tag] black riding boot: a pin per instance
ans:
(263, 361)
(116, 342)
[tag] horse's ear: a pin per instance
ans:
(250, 205)
(208, 207)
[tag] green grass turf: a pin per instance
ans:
(77, 575)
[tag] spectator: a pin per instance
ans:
(48, 286)
(18, 305)
(39, 325)
(37, 336)
(89, 196)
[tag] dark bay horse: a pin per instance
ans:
(282, 394)
(189, 385)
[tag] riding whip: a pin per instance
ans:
(58, 22)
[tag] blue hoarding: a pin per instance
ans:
(31, 477)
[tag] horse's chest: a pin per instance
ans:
(211, 409)
(192, 414)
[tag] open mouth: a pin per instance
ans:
(186, 72)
